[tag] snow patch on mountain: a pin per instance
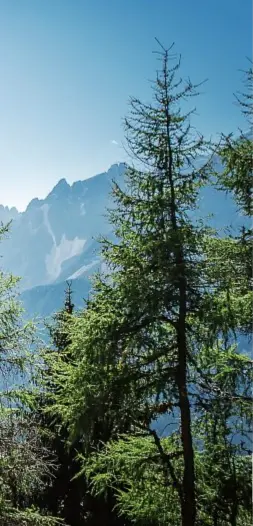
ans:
(45, 210)
(54, 237)
(66, 249)
(82, 210)
(83, 269)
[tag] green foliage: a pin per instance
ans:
(68, 495)
(133, 463)
(159, 336)
(29, 517)
(237, 154)
(149, 497)
(23, 460)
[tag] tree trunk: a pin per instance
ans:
(188, 506)
(189, 499)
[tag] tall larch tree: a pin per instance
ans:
(157, 336)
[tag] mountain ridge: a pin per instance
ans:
(7, 213)
(54, 238)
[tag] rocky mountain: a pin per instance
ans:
(8, 214)
(55, 238)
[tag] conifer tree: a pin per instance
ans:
(157, 335)
(68, 494)
(24, 461)
(154, 264)
(153, 219)
(63, 494)
(236, 154)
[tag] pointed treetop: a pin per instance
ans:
(69, 306)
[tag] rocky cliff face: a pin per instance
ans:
(55, 238)
(8, 214)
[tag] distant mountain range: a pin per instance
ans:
(55, 239)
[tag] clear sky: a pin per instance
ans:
(68, 67)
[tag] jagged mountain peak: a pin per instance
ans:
(78, 188)
(53, 238)
(34, 203)
(8, 213)
(62, 183)
(61, 189)
(11, 209)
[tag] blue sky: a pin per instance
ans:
(68, 67)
